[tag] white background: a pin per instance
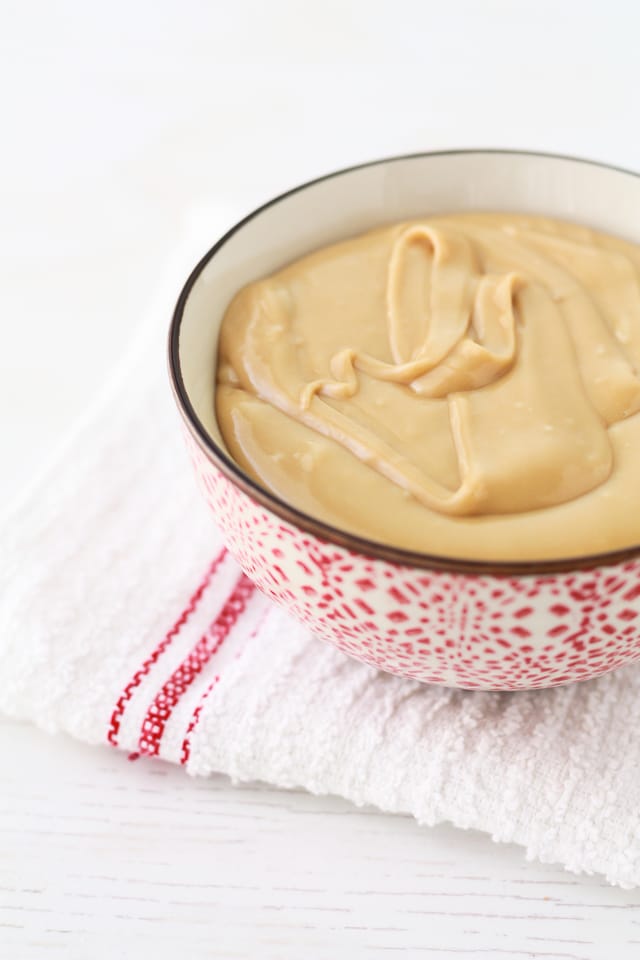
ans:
(117, 121)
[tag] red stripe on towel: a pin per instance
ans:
(144, 670)
(159, 712)
(193, 723)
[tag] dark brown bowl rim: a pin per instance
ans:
(325, 532)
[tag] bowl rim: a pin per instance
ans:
(325, 532)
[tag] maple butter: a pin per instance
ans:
(464, 385)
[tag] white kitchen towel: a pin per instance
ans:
(123, 621)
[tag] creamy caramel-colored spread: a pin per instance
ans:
(464, 385)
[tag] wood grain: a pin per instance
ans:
(101, 857)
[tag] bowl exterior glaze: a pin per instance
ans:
(473, 631)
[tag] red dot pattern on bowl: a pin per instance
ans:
(456, 629)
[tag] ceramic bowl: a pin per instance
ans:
(499, 626)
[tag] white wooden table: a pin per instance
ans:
(116, 121)
(104, 858)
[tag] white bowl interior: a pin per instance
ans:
(359, 199)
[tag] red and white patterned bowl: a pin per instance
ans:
(460, 623)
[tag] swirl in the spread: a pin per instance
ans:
(477, 363)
